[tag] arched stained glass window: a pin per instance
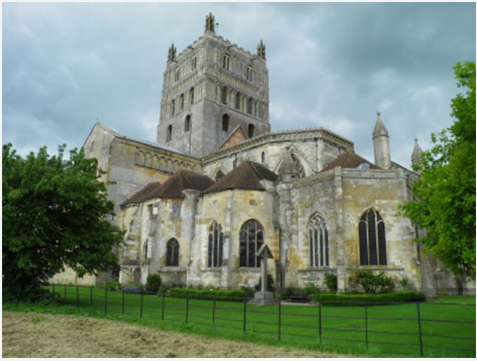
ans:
(372, 239)
(172, 253)
(251, 239)
(299, 167)
(319, 245)
(216, 245)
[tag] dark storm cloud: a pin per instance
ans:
(330, 64)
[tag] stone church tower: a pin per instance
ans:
(210, 90)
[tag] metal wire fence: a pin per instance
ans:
(420, 328)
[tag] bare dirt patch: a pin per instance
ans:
(43, 335)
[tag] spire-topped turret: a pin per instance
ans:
(261, 50)
(210, 23)
(382, 154)
(172, 53)
(416, 152)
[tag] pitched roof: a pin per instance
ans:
(235, 137)
(142, 195)
(348, 160)
(173, 187)
(379, 128)
(246, 176)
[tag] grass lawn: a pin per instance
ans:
(390, 330)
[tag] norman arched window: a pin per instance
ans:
(238, 97)
(226, 61)
(187, 123)
(319, 246)
(177, 75)
(251, 129)
(181, 101)
(191, 96)
(216, 245)
(172, 253)
(251, 239)
(372, 239)
(173, 106)
(249, 73)
(249, 105)
(299, 167)
(193, 63)
(225, 94)
(169, 133)
(225, 122)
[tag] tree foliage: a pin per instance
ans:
(445, 193)
(55, 214)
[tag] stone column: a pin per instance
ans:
(340, 234)
(189, 209)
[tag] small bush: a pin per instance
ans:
(374, 283)
(112, 286)
(331, 281)
(153, 283)
(220, 295)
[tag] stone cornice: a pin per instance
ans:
(283, 136)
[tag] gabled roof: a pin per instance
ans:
(142, 195)
(349, 160)
(173, 187)
(235, 137)
(246, 176)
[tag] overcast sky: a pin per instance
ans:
(330, 64)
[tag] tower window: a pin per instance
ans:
(181, 101)
(193, 63)
(226, 62)
(173, 106)
(191, 96)
(251, 129)
(177, 75)
(237, 100)
(250, 106)
(249, 73)
(219, 175)
(225, 94)
(169, 133)
(187, 123)
(225, 122)
(263, 157)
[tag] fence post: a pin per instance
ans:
(53, 293)
(91, 297)
(187, 308)
(421, 349)
(64, 295)
(366, 322)
(163, 301)
(319, 318)
(279, 319)
(122, 302)
(141, 304)
(105, 301)
(213, 311)
(244, 314)
(77, 297)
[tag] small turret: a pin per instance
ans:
(382, 154)
(416, 152)
(210, 23)
(287, 171)
(172, 53)
(261, 50)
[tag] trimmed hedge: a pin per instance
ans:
(371, 299)
(204, 294)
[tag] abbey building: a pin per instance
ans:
(217, 183)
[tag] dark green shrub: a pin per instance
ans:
(204, 294)
(287, 293)
(153, 283)
(270, 287)
(112, 286)
(370, 299)
(374, 283)
(331, 281)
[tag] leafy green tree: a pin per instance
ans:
(55, 214)
(445, 193)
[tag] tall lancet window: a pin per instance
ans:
(319, 245)
(216, 245)
(372, 239)
(172, 253)
(251, 239)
